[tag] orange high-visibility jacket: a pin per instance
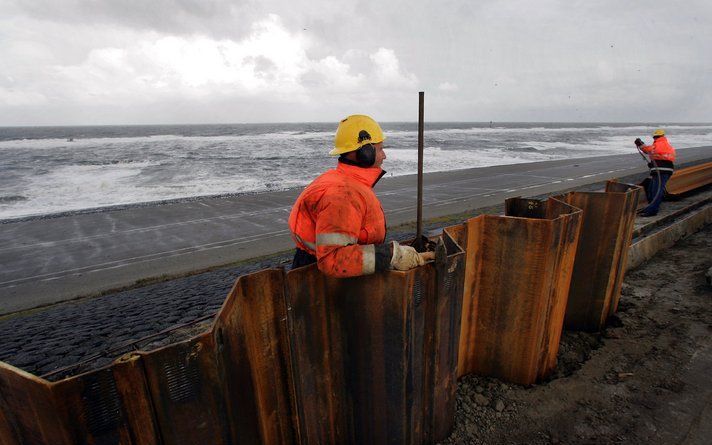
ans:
(661, 150)
(339, 219)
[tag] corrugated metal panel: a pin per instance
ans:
(109, 405)
(29, 405)
(7, 430)
(372, 360)
(687, 179)
(229, 385)
(251, 333)
(450, 277)
(516, 283)
(374, 357)
(187, 392)
(599, 268)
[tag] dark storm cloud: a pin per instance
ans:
(213, 17)
(484, 60)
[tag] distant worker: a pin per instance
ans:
(661, 156)
(337, 221)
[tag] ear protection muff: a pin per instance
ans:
(366, 156)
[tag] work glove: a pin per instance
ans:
(406, 257)
(639, 142)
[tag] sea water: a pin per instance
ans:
(46, 170)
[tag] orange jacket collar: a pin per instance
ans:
(368, 176)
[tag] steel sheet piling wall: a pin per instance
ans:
(348, 342)
(187, 392)
(625, 234)
(29, 406)
(374, 358)
(687, 179)
(251, 333)
(445, 328)
(606, 230)
(226, 386)
(516, 283)
(109, 405)
(363, 360)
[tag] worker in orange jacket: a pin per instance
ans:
(337, 221)
(662, 157)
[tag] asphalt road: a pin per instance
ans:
(56, 259)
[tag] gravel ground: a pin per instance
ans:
(645, 379)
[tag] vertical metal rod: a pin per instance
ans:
(419, 226)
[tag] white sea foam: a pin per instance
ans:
(46, 175)
(79, 142)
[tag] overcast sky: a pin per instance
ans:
(71, 62)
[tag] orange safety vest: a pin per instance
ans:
(338, 219)
(661, 150)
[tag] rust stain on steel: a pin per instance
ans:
(252, 337)
(625, 235)
(108, 405)
(517, 278)
(445, 327)
(374, 358)
(31, 409)
(187, 392)
(100, 406)
(228, 385)
(688, 179)
(132, 388)
(599, 268)
(7, 431)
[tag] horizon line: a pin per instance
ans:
(334, 122)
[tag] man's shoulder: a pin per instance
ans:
(329, 183)
(329, 177)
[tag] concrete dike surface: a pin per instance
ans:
(53, 259)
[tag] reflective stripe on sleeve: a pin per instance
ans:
(662, 169)
(334, 239)
(312, 246)
(369, 259)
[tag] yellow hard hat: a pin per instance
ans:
(354, 132)
(659, 132)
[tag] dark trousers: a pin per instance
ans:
(655, 191)
(302, 258)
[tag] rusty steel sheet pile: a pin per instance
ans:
(252, 333)
(375, 357)
(606, 231)
(688, 179)
(291, 358)
(517, 278)
(228, 385)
